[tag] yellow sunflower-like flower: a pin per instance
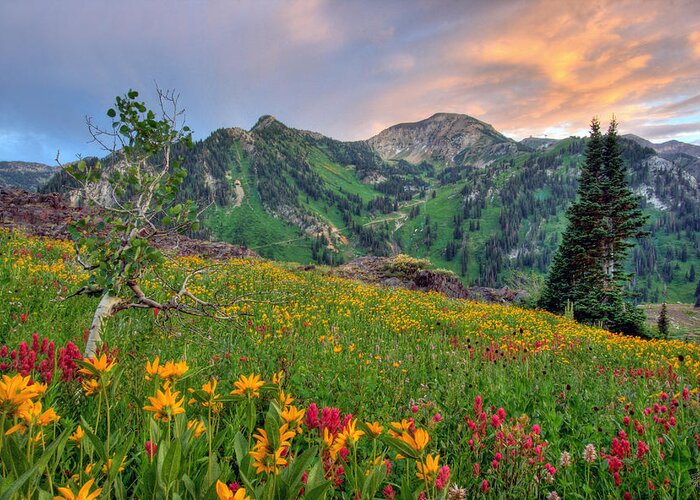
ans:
(212, 400)
(267, 458)
(197, 426)
(374, 428)
(17, 390)
(427, 471)
(108, 465)
(165, 405)
(398, 428)
(98, 366)
(278, 377)
(284, 399)
(346, 438)
(152, 369)
(30, 414)
(91, 386)
(172, 371)
(224, 493)
(248, 386)
(77, 436)
(293, 417)
(418, 440)
(83, 494)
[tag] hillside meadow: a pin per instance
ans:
(325, 387)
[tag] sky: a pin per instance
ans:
(349, 69)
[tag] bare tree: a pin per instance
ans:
(136, 190)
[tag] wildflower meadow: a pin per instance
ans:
(328, 388)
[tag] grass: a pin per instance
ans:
(382, 355)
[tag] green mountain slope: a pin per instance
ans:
(449, 188)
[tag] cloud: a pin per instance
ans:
(347, 69)
(694, 40)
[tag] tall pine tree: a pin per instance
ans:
(588, 267)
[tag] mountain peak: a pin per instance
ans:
(265, 121)
(440, 138)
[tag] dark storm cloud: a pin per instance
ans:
(346, 69)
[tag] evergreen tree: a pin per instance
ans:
(662, 322)
(587, 268)
(697, 295)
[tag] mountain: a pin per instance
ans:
(449, 188)
(445, 138)
(25, 175)
(668, 148)
(538, 143)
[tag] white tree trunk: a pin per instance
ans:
(104, 310)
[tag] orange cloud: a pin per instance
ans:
(694, 39)
(552, 65)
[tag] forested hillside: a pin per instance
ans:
(449, 188)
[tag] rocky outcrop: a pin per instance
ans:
(413, 274)
(49, 214)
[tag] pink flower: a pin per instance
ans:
(437, 417)
(485, 486)
(536, 429)
(414, 409)
(150, 449)
(443, 478)
(389, 492)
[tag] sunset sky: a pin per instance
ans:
(348, 69)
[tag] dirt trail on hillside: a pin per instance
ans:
(240, 194)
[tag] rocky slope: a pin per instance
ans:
(49, 214)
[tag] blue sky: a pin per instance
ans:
(349, 69)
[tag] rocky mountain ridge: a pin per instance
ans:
(24, 175)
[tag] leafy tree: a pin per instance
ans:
(587, 268)
(134, 191)
(662, 322)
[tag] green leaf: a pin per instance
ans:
(171, 464)
(111, 113)
(35, 470)
(96, 442)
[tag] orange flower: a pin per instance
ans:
(165, 405)
(98, 366)
(224, 493)
(83, 494)
(248, 386)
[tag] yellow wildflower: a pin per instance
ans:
(30, 414)
(77, 436)
(248, 386)
(346, 438)
(293, 417)
(427, 471)
(165, 405)
(83, 494)
(98, 366)
(224, 493)
(152, 369)
(267, 458)
(374, 428)
(16, 391)
(91, 386)
(172, 371)
(418, 440)
(197, 427)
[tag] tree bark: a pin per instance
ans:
(104, 310)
